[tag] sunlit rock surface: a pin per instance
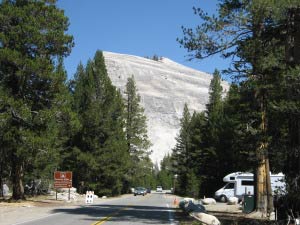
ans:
(164, 87)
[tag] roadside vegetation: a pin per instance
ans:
(256, 127)
(84, 125)
(49, 123)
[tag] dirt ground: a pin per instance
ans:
(32, 208)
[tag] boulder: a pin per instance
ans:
(5, 190)
(208, 201)
(206, 218)
(232, 201)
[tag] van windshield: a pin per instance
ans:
(229, 186)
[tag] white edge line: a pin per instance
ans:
(171, 218)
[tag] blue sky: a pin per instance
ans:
(136, 27)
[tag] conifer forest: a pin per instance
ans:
(54, 121)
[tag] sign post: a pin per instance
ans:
(62, 179)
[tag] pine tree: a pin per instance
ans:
(165, 176)
(200, 165)
(181, 152)
(28, 87)
(101, 141)
(64, 125)
(241, 29)
(214, 111)
(138, 143)
(287, 102)
(211, 144)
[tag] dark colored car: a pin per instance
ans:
(148, 190)
(139, 191)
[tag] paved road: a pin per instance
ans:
(155, 208)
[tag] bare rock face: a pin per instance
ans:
(164, 86)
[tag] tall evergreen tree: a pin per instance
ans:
(200, 155)
(215, 105)
(236, 136)
(101, 142)
(205, 134)
(165, 176)
(181, 153)
(138, 143)
(32, 38)
(214, 122)
(246, 30)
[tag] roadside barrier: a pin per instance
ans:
(175, 202)
(89, 197)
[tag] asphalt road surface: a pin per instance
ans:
(154, 208)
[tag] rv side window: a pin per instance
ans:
(247, 182)
(229, 186)
(232, 178)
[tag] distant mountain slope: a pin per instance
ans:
(164, 87)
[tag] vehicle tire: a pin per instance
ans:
(134, 195)
(223, 198)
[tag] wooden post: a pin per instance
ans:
(69, 194)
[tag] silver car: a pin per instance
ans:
(139, 191)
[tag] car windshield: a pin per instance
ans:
(229, 186)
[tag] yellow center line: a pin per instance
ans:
(103, 220)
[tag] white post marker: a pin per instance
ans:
(89, 197)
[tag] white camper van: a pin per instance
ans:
(239, 184)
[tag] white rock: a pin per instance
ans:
(206, 218)
(232, 201)
(273, 217)
(104, 197)
(5, 189)
(189, 200)
(164, 86)
(209, 201)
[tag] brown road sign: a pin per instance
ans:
(62, 179)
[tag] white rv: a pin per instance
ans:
(239, 184)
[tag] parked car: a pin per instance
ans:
(159, 189)
(148, 190)
(139, 191)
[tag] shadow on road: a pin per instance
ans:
(124, 213)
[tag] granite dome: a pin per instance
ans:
(164, 86)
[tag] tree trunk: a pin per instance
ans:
(263, 194)
(264, 198)
(270, 206)
(17, 178)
